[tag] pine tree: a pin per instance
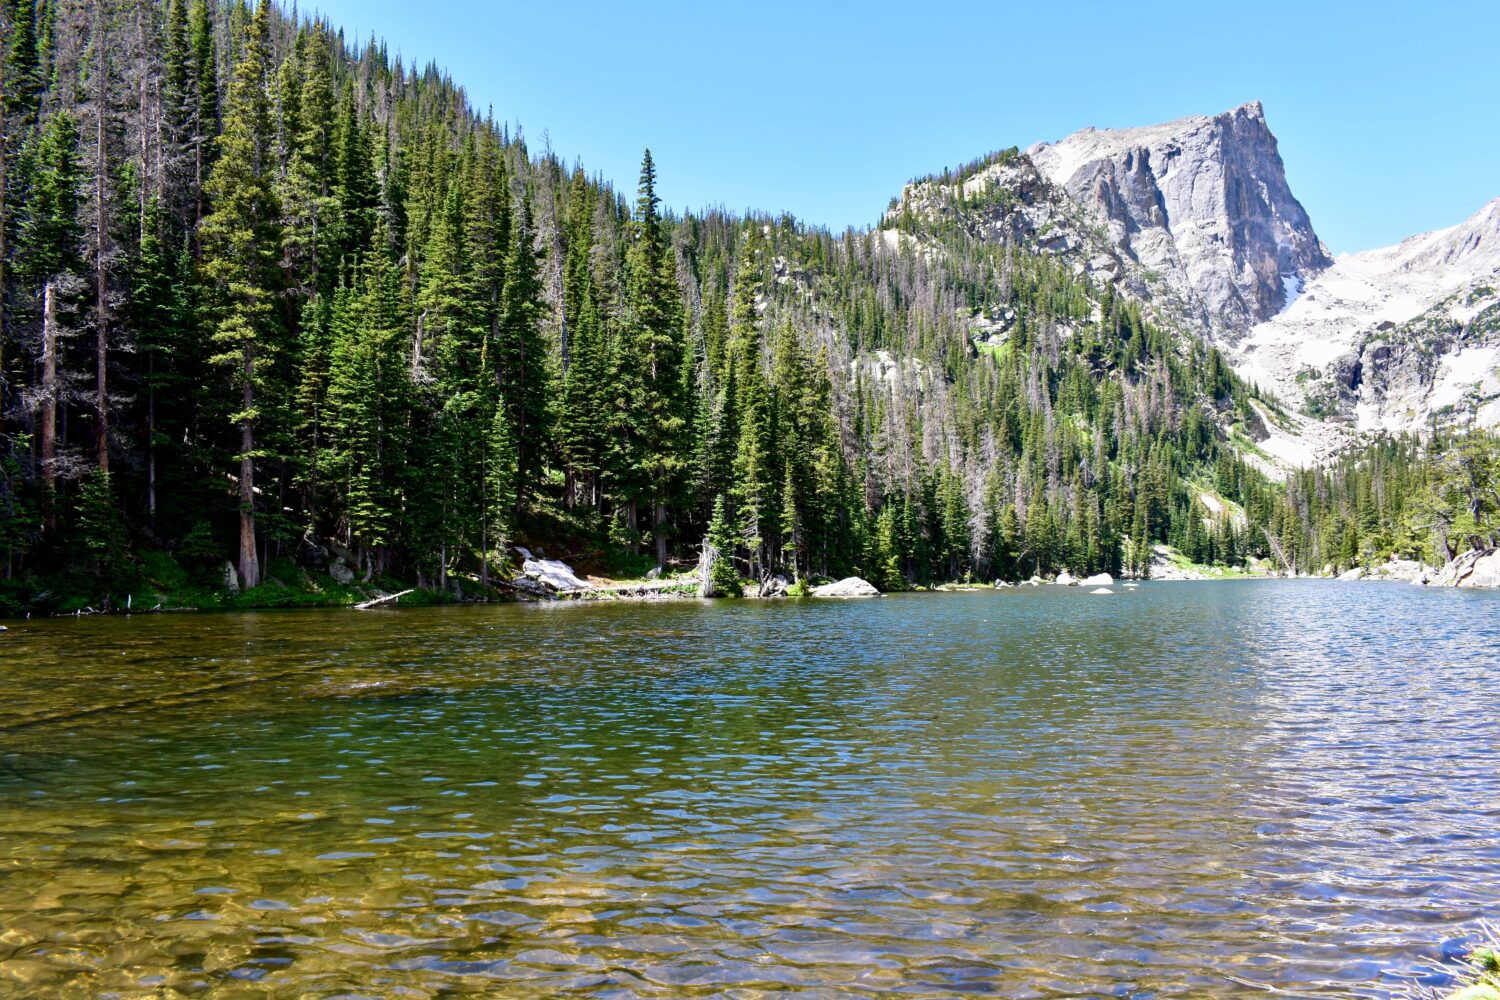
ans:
(501, 479)
(655, 460)
(241, 256)
(521, 354)
(724, 579)
(368, 398)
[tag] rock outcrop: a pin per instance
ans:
(1475, 568)
(1204, 203)
(1391, 339)
(851, 586)
(554, 575)
(1398, 570)
(1163, 567)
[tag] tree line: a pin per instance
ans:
(262, 289)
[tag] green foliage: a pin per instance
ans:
(363, 312)
(98, 528)
(724, 578)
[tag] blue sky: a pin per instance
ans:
(1388, 114)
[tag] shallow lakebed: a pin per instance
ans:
(1185, 789)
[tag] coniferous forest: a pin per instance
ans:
(265, 290)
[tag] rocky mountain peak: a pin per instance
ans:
(1203, 203)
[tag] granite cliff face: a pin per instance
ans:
(1201, 202)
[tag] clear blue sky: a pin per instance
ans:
(1388, 113)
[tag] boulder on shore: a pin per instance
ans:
(231, 579)
(527, 585)
(1066, 579)
(1357, 573)
(851, 586)
(554, 574)
(1404, 570)
(1097, 580)
(1475, 568)
(341, 572)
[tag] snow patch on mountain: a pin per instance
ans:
(1405, 317)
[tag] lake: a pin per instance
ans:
(1186, 789)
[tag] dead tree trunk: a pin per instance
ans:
(49, 401)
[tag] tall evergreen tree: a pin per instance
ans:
(241, 256)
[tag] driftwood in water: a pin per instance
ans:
(377, 602)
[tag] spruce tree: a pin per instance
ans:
(241, 256)
(521, 354)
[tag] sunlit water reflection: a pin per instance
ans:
(1186, 790)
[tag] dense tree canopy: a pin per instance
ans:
(262, 289)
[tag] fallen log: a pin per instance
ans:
(377, 602)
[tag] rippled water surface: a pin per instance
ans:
(1195, 790)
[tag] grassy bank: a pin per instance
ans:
(157, 581)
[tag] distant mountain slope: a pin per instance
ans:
(1392, 338)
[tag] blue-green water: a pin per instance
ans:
(1195, 790)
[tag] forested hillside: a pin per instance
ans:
(265, 289)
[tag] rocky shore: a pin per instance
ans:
(544, 579)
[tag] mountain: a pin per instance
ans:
(1391, 339)
(1204, 203)
(1203, 227)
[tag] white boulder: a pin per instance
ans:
(555, 575)
(1097, 580)
(1357, 573)
(1066, 579)
(851, 586)
(1101, 590)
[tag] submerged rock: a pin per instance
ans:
(851, 586)
(1101, 590)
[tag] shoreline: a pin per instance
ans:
(651, 592)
